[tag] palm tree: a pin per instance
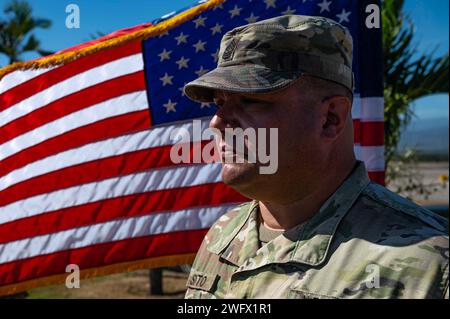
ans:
(16, 35)
(407, 76)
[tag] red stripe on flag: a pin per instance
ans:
(372, 133)
(110, 127)
(44, 81)
(368, 133)
(90, 172)
(377, 177)
(102, 254)
(82, 99)
(357, 131)
(120, 207)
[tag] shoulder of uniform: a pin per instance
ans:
(227, 226)
(392, 202)
(227, 222)
(233, 214)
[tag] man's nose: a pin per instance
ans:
(224, 118)
(217, 123)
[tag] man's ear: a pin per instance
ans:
(338, 111)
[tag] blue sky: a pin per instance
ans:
(430, 17)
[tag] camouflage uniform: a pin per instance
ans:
(364, 242)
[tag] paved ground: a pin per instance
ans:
(429, 173)
(126, 285)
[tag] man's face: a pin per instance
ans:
(297, 116)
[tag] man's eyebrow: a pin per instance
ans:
(255, 98)
(244, 96)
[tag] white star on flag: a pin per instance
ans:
(288, 11)
(215, 55)
(252, 18)
(235, 12)
(343, 16)
(182, 38)
(163, 34)
(270, 3)
(181, 89)
(201, 71)
(170, 106)
(200, 21)
(199, 46)
(164, 55)
(216, 29)
(324, 6)
(166, 79)
(182, 63)
(205, 104)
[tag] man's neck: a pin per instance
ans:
(286, 216)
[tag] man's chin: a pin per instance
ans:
(239, 176)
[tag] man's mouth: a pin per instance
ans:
(227, 152)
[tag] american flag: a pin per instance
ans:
(85, 172)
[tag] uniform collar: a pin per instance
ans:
(313, 241)
(229, 232)
(307, 244)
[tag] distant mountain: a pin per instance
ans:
(428, 136)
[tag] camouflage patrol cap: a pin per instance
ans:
(269, 55)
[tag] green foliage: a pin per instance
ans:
(407, 76)
(16, 30)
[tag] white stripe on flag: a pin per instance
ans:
(368, 109)
(107, 71)
(15, 78)
(152, 180)
(116, 106)
(372, 156)
(157, 136)
(120, 229)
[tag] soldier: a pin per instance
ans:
(317, 227)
